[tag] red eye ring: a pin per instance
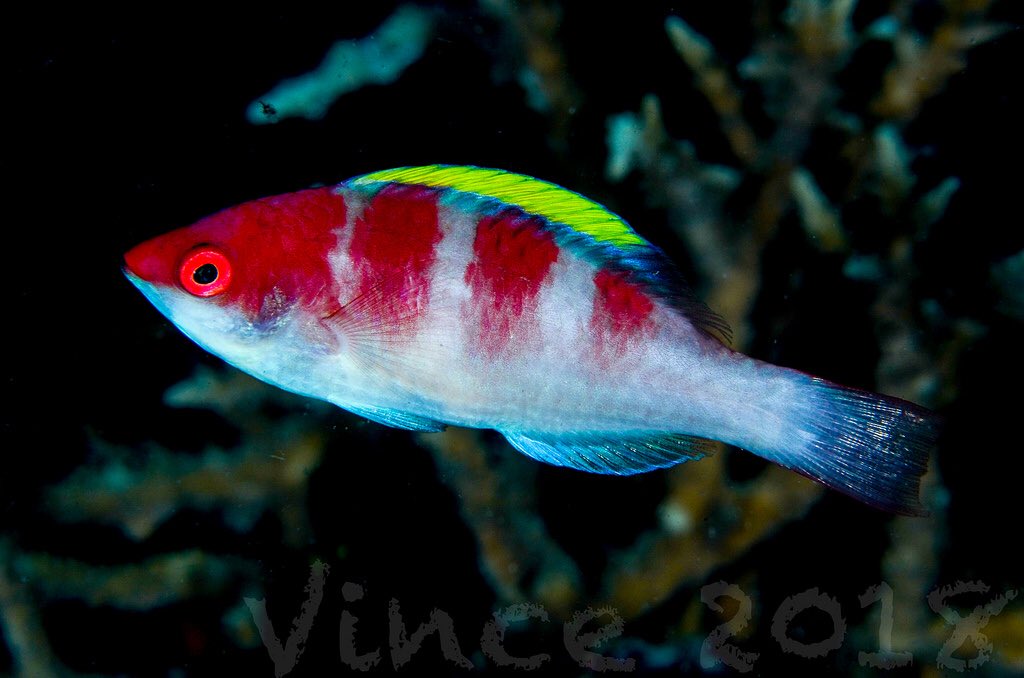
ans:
(205, 271)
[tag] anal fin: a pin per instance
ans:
(607, 452)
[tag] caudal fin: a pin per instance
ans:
(872, 447)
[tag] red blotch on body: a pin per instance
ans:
(392, 251)
(277, 246)
(622, 311)
(512, 257)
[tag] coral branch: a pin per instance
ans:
(377, 59)
(267, 471)
(705, 521)
(498, 502)
(21, 626)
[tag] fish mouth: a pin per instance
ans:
(149, 290)
(148, 261)
(134, 259)
(135, 279)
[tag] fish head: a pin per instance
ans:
(246, 281)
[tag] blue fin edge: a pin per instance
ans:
(397, 419)
(610, 452)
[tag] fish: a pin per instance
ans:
(423, 297)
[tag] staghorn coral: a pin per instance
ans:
(1008, 278)
(30, 579)
(705, 521)
(795, 73)
(922, 64)
(21, 625)
(155, 582)
(498, 501)
(349, 65)
(531, 30)
(267, 472)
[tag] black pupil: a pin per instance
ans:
(205, 274)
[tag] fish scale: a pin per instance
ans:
(421, 297)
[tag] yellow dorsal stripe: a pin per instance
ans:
(533, 196)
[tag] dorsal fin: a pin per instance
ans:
(533, 196)
(578, 223)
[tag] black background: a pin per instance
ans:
(120, 126)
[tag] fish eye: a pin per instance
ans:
(205, 271)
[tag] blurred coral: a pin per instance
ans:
(377, 59)
(1008, 277)
(268, 471)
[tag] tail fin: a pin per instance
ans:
(869, 446)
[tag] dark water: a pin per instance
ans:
(122, 126)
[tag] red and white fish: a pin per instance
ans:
(425, 296)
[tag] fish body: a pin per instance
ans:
(427, 296)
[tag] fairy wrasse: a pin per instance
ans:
(425, 296)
